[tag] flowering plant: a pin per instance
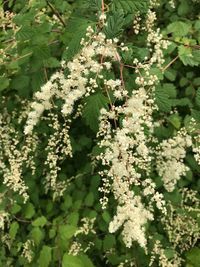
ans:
(100, 133)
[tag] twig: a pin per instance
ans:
(102, 6)
(56, 13)
(21, 220)
(170, 63)
(180, 43)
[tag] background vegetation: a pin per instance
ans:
(36, 36)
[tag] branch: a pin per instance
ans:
(170, 63)
(180, 43)
(56, 13)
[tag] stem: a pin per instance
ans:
(170, 63)
(102, 6)
(180, 43)
(56, 13)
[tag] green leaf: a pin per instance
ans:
(67, 231)
(106, 216)
(89, 200)
(193, 256)
(4, 83)
(170, 74)
(41, 221)
(41, 52)
(37, 235)
(20, 82)
(130, 6)
(92, 109)
(175, 120)
(29, 211)
(179, 28)
(109, 242)
(71, 261)
(186, 56)
(73, 218)
(169, 253)
(51, 63)
(25, 33)
(197, 99)
(15, 208)
(114, 25)
(183, 8)
(162, 99)
(86, 262)
(76, 29)
(76, 261)
(13, 230)
(45, 257)
(170, 89)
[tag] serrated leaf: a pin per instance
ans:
(45, 257)
(51, 63)
(41, 221)
(193, 256)
(13, 229)
(15, 208)
(181, 102)
(91, 111)
(24, 33)
(170, 89)
(114, 25)
(73, 218)
(197, 99)
(41, 52)
(109, 242)
(29, 211)
(71, 261)
(106, 216)
(130, 6)
(170, 74)
(169, 253)
(175, 120)
(86, 262)
(162, 99)
(4, 83)
(75, 32)
(20, 82)
(37, 235)
(67, 231)
(76, 261)
(186, 56)
(179, 28)
(89, 200)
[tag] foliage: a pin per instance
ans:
(51, 214)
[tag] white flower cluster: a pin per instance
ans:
(196, 149)
(170, 157)
(58, 148)
(186, 232)
(163, 261)
(136, 23)
(43, 102)
(133, 216)
(84, 70)
(12, 156)
(155, 40)
(4, 219)
(128, 154)
(87, 227)
(27, 252)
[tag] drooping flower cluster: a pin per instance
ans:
(170, 158)
(13, 156)
(187, 231)
(84, 71)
